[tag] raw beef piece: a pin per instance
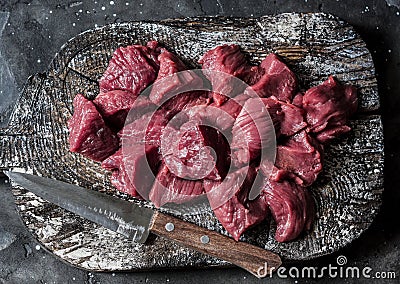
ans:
(238, 213)
(88, 134)
(114, 106)
(252, 131)
(168, 82)
(195, 151)
(274, 78)
(183, 102)
(298, 100)
(133, 173)
(141, 106)
(170, 188)
(210, 115)
(292, 207)
(288, 119)
(220, 117)
(228, 59)
(119, 177)
(233, 106)
(145, 130)
(131, 68)
(300, 157)
(231, 61)
(328, 107)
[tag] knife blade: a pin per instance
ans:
(136, 222)
(111, 212)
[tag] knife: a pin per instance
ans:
(136, 222)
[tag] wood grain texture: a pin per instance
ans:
(348, 192)
(251, 258)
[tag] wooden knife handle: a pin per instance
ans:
(256, 260)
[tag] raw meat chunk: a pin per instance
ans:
(328, 107)
(252, 131)
(141, 106)
(195, 151)
(292, 208)
(227, 59)
(170, 188)
(168, 82)
(183, 102)
(298, 100)
(300, 157)
(233, 106)
(114, 106)
(145, 130)
(88, 134)
(133, 173)
(288, 119)
(220, 62)
(274, 78)
(238, 213)
(131, 68)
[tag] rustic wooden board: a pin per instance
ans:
(348, 193)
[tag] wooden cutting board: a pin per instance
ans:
(347, 193)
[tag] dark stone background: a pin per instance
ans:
(36, 30)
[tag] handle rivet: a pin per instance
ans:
(169, 227)
(204, 239)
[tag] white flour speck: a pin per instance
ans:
(389, 50)
(397, 13)
(38, 61)
(114, 15)
(95, 25)
(140, 12)
(37, 247)
(51, 12)
(103, 8)
(141, 4)
(127, 4)
(112, 3)
(73, 24)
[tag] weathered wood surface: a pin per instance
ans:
(348, 192)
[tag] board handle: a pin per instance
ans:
(256, 260)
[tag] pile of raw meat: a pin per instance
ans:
(303, 123)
